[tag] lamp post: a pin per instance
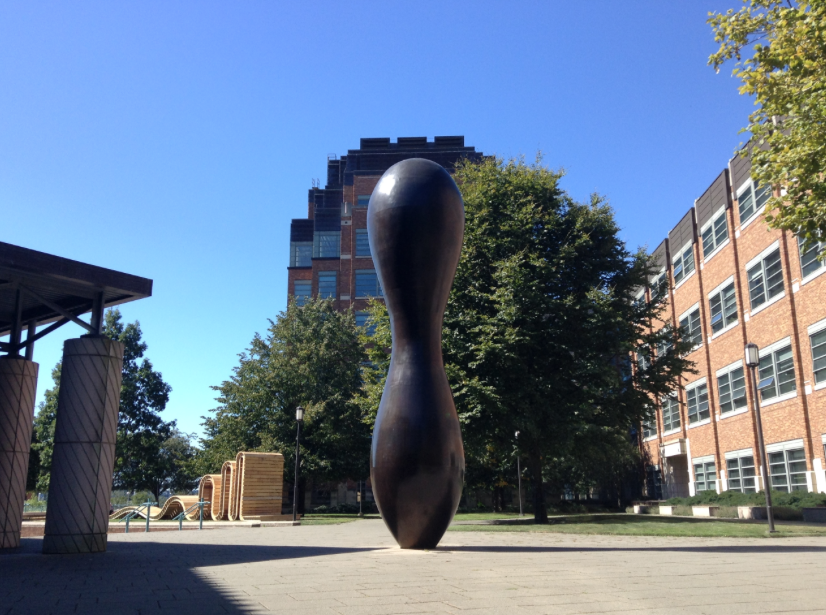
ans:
(752, 361)
(519, 473)
(299, 417)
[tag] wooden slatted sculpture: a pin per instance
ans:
(415, 222)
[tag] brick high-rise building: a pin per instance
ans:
(329, 251)
(732, 280)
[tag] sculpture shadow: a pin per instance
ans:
(134, 577)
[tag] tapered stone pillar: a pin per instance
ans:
(18, 384)
(77, 515)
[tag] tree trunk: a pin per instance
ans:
(540, 512)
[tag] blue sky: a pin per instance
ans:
(176, 140)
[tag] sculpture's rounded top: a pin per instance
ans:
(412, 182)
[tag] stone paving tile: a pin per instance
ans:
(355, 569)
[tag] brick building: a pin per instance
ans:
(732, 280)
(329, 251)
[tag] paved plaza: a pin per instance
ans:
(356, 569)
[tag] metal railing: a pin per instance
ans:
(200, 506)
(135, 513)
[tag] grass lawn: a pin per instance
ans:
(485, 516)
(633, 525)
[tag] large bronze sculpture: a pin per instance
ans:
(415, 224)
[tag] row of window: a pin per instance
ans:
(326, 244)
(776, 380)
(787, 471)
(367, 285)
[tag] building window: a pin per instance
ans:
(715, 233)
(765, 279)
(705, 476)
(643, 359)
(659, 285)
(327, 284)
(327, 244)
(731, 389)
(723, 307)
(751, 200)
(776, 373)
(301, 254)
(691, 329)
(683, 264)
(362, 319)
(362, 242)
(302, 290)
(666, 341)
(741, 474)
(818, 341)
(809, 262)
(698, 403)
(649, 424)
(362, 200)
(787, 470)
(654, 482)
(671, 413)
(367, 284)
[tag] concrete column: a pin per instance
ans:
(18, 384)
(77, 516)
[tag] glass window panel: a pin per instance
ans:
(683, 264)
(745, 203)
(362, 242)
(809, 262)
(765, 279)
(327, 284)
(301, 254)
(774, 274)
(818, 342)
(302, 289)
(367, 283)
(671, 413)
(327, 244)
(362, 200)
(690, 325)
(720, 229)
(698, 404)
(361, 321)
(731, 388)
(723, 307)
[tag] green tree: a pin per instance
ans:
(541, 311)
(784, 69)
(310, 357)
(142, 432)
(43, 435)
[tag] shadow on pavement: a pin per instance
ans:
(134, 578)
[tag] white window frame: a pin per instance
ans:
(744, 452)
(679, 415)
(690, 387)
(688, 312)
(743, 187)
(759, 259)
(716, 291)
(771, 349)
(807, 278)
(783, 447)
(812, 330)
(722, 244)
(703, 461)
(722, 372)
(680, 253)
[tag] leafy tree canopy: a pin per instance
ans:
(310, 357)
(779, 49)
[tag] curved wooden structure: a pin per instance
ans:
(247, 489)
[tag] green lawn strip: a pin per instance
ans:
(484, 516)
(619, 525)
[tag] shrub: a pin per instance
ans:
(795, 500)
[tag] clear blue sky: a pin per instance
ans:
(176, 140)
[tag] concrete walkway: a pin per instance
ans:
(356, 569)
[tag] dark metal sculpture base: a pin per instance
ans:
(415, 223)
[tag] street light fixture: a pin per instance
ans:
(299, 418)
(519, 473)
(752, 362)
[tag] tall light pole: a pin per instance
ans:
(519, 473)
(299, 418)
(752, 362)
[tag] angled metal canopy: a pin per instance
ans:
(39, 289)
